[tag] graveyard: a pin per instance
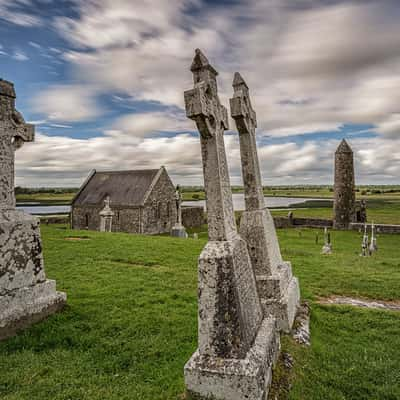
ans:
(95, 349)
(199, 200)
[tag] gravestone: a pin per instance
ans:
(106, 216)
(26, 296)
(237, 345)
(278, 288)
(365, 243)
(178, 230)
(327, 248)
(373, 246)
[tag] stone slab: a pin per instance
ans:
(179, 231)
(25, 306)
(285, 308)
(235, 379)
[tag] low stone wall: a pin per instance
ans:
(380, 228)
(286, 222)
(55, 219)
(193, 216)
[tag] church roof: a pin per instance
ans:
(344, 147)
(125, 188)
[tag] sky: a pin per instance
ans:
(103, 82)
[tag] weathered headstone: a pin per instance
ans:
(327, 248)
(106, 216)
(344, 188)
(26, 296)
(178, 229)
(365, 243)
(373, 246)
(237, 344)
(278, 288)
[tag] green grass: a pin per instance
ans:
(131, 320)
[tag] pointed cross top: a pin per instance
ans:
(200, 62)
(238, 81)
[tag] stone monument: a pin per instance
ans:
(344, 189)
(178, 230)
(26, 296)
(373, 246)
(277, 287)
(106, 216)
(327, 248)
(237, 344)
(365, 243)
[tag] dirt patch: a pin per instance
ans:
(74, 238)
(363, 303)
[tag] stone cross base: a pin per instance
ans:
(179, 231)
(280, 296)
(279, 291)
(327, 249)
(235, 379)
(26, 296)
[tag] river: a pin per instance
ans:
(238, 204)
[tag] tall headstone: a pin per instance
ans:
(237, 345)
(278, 288)
(26, 296)
(106, 216)
(344, 189)
(178, 230)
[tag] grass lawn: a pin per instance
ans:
(131, 321)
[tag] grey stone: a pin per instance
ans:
(106, 216)
(178, 230)
(279, 290)
(237, 344)
(26, 296)
(344, 189)
(327, 248)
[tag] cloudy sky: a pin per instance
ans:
(103, 81)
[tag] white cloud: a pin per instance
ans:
(20, 56)
(67, 103)
(11, 11)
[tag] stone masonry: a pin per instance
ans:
(237, 344)
(26, 296)
(277, 287)
(344, 189)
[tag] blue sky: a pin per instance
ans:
(103, 82)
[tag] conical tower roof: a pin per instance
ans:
(344, 147)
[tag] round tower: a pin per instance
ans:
(345, 195)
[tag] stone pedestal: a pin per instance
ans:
(26, 296)
(179, 231)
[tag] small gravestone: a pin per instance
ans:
(26, 296)
(373, 246)
(327, 248)
(278, 288)
(106, 217)
(237, 345)
(365, 243)
(178, 230)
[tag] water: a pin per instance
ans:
(238, 201)
(238, 204)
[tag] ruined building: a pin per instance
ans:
(142, 201)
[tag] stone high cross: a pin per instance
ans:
(211, 117)
(278, 289)
(13, 133)
(237, 345)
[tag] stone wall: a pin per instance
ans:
(380, 228)
(159, 213)
(285, 222)
(193, 216)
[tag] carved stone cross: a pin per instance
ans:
(13, 133)
(211, 117)
(245, 117)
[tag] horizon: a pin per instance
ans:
(103, 82)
